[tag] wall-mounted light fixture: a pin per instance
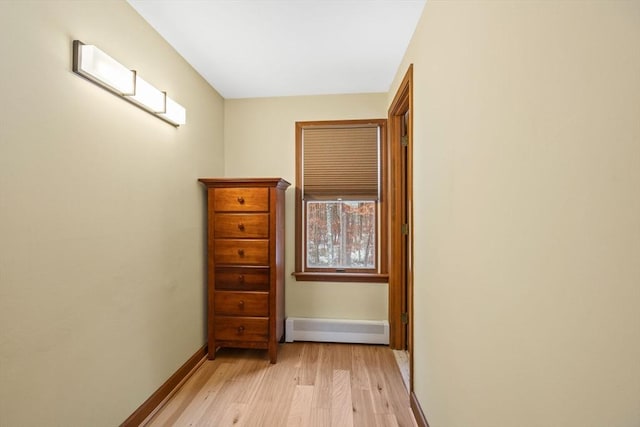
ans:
(98, 67)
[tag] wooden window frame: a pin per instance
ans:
(380, 274)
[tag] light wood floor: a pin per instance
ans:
(313, 384)
(402, 360)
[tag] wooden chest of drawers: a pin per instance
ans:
(245, 235)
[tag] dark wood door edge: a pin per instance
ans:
(402, 102)
(166, 390)
(417, 411)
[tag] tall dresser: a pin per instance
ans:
(245, 236)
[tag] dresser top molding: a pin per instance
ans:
(245, 182)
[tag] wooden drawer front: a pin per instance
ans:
(242, 279)
(241, 328)
(242, 252)
(238, 226)
(242, 199)
(241, 303)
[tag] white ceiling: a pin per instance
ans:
(259, 48)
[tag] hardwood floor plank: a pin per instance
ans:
(279, 384)
(342, 356)
(309, 363)
(320, 417)
(324, 378)
(185, 396)
(363, 415)
(351, 385)
(377, 384)
(386, 420)
(235, 415)
(341, 403)
(260, 414)
(249, 377)
(205, 397)
(300, 412)
(230, 388)
(227, 396)
(401, 405)
(359, 369)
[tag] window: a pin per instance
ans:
(340, 200)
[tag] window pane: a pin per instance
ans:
(341, 234)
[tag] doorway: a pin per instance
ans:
(401, 220)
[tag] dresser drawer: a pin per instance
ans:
(241, 199)
(241, 303)
(242, 279)
(241, 328)
(238, 226)
(241, 252)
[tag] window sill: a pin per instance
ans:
(341, 277)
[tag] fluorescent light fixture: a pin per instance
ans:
(175, 113)
(101, 69)
(148, 96)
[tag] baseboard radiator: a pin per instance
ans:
(337, 330)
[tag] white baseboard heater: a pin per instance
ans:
(337, 330)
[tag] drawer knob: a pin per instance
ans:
(241, 278)
(241, 252)
(241, 200)
(240, 330)
(241, 304)
(241, 227)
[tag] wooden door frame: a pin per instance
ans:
(402, 102)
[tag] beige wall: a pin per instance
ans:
(260, 141)
(101, 217)
(527, 209)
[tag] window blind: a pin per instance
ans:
(341, 162)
